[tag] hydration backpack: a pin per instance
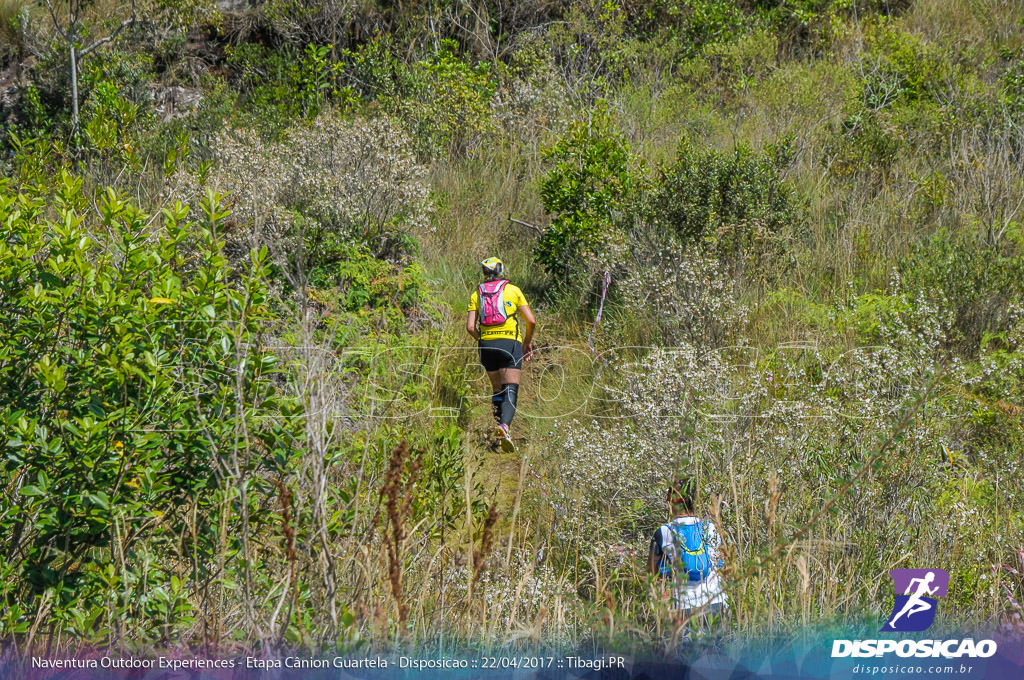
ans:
(492, 303)
(691, 550)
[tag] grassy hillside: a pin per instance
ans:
(239, 406)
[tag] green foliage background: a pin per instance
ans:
(240, 412)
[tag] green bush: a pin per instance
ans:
(35, 115)
(737, 65)
(262, 78)
(897, 66)
(130, 369)
(384, 295)
(586, 191)
(806, 26)
(448, 102)
(977, 282)
(280, 85)
(443, 100)
(735, 202)
(113, 92)
(13, 16)
(373, 70)
(897, 107)
(694, 24)
(588, 48)
(1012, 82)
(110, 123)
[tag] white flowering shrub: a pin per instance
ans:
(683, 292)
(775, 435)
(535, 103)
(516, 594)
(326, 185)
(606, 483)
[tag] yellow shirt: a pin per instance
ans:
(511, 329)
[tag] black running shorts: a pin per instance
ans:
(503, 353)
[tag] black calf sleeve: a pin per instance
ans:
(508, 405)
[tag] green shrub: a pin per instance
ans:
(806, 26)
(585, 191)
(35, 114)
(588, 49)
(13, 15)
(447, 104)
(897, 107)
(1012, 82)
(130, 73)
(373, 70)
(443, 100)
(385, 295)
(262, 78)
(739, 64)
(109, 122)
(977, 282)
(694, 24)
(736, 202)
(367, 282)
(897, 66)
(129, 369)
(279, 85)
(113, 92)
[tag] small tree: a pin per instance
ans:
(69, 32)
(585, 191)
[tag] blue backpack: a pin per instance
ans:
(692, 551)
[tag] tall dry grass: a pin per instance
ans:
(13, 14)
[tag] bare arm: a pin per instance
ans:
(531, 324)
(471, 325)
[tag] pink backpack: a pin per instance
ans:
(492, 303)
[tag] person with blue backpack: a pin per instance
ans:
(502, 323)
(685, 553)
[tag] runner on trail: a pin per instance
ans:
(914, 603)
(684, 552)
(503, 326)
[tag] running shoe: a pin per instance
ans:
(503, 437)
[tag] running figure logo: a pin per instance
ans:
(916, 593)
